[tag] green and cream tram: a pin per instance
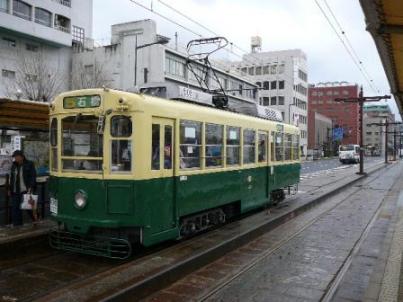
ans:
(131, 169)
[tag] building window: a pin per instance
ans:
(258, 70)
(266, 69)
(174, 66)
(280, 84)
(266, 101)
(244, 70)
(273, 85)
(62, 23)
(345, 92)
(273, 69)
(4, 6)
(329, 93)
(78, 34)
(302, 75)
(259, 84)
(266, 85)
(31, 77)
(251, 70)
(281, 68)
(9, 42)
(273, 100)
(22, 10)
(31, 47)
(42, 16)
(8, 74)
(281, 100)
(64, 2)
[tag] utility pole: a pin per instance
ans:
(361, 100)
(387, 124)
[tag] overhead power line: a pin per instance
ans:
(350, 50)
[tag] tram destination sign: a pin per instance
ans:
(85, 101)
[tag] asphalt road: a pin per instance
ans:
(329, 164)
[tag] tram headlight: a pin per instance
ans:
(80, 200)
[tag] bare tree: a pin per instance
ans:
(88, 75)
(35, 78)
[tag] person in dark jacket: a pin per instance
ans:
(22, 181)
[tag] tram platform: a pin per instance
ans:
(26, 235)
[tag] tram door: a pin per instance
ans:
(162, 168)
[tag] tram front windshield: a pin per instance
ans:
(81, 145)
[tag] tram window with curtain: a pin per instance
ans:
(279, 146)
(233, 145)
(248, 146)
(214, 145)
(262, 148)
(53, 143)
(287, 146)
(121, 144)
(190, 144)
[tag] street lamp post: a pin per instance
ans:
(361, 100)
(160, 40)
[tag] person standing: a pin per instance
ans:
(22, 181)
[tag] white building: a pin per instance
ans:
(45, 30)
(159, 68)
(283, 81)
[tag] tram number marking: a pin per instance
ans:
(183, 178)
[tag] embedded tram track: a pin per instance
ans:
(138, 279)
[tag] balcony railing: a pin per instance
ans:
(47, 23)
(64, 2)
(62, 28)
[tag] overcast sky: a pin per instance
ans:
(282, 24)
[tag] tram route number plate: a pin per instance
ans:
(53, 205)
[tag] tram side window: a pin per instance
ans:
(248, 146)
(295, 146)
(121, 146)
(155, 147)
(168, 147)
(262, 147)
(272, 148)
(287, 146)
(279, 146)
(214, 145)
(190, 144)
(53, 143)
(233, 145)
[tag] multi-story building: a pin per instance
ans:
(344, 116)
(283, 82)
(374, 136)
(319, 132)
(36, 43)
(140, 59)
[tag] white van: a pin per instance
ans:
(349, 154)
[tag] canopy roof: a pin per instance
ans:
(385, 23)
(23, 115)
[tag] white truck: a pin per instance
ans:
(349, 153)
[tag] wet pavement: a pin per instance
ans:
(337, 251)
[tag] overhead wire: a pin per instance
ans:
(345, 46)
(343, 32)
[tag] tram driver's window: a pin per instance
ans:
(155, 147)
(121, 143)
(190, 144)
(168, 147)
(53, 143)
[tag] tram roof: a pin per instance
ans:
(171, 105)
(23, 115)
(384, 20)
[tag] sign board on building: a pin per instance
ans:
(193, 95)
(338, 134)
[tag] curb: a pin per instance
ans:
(166, 277)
